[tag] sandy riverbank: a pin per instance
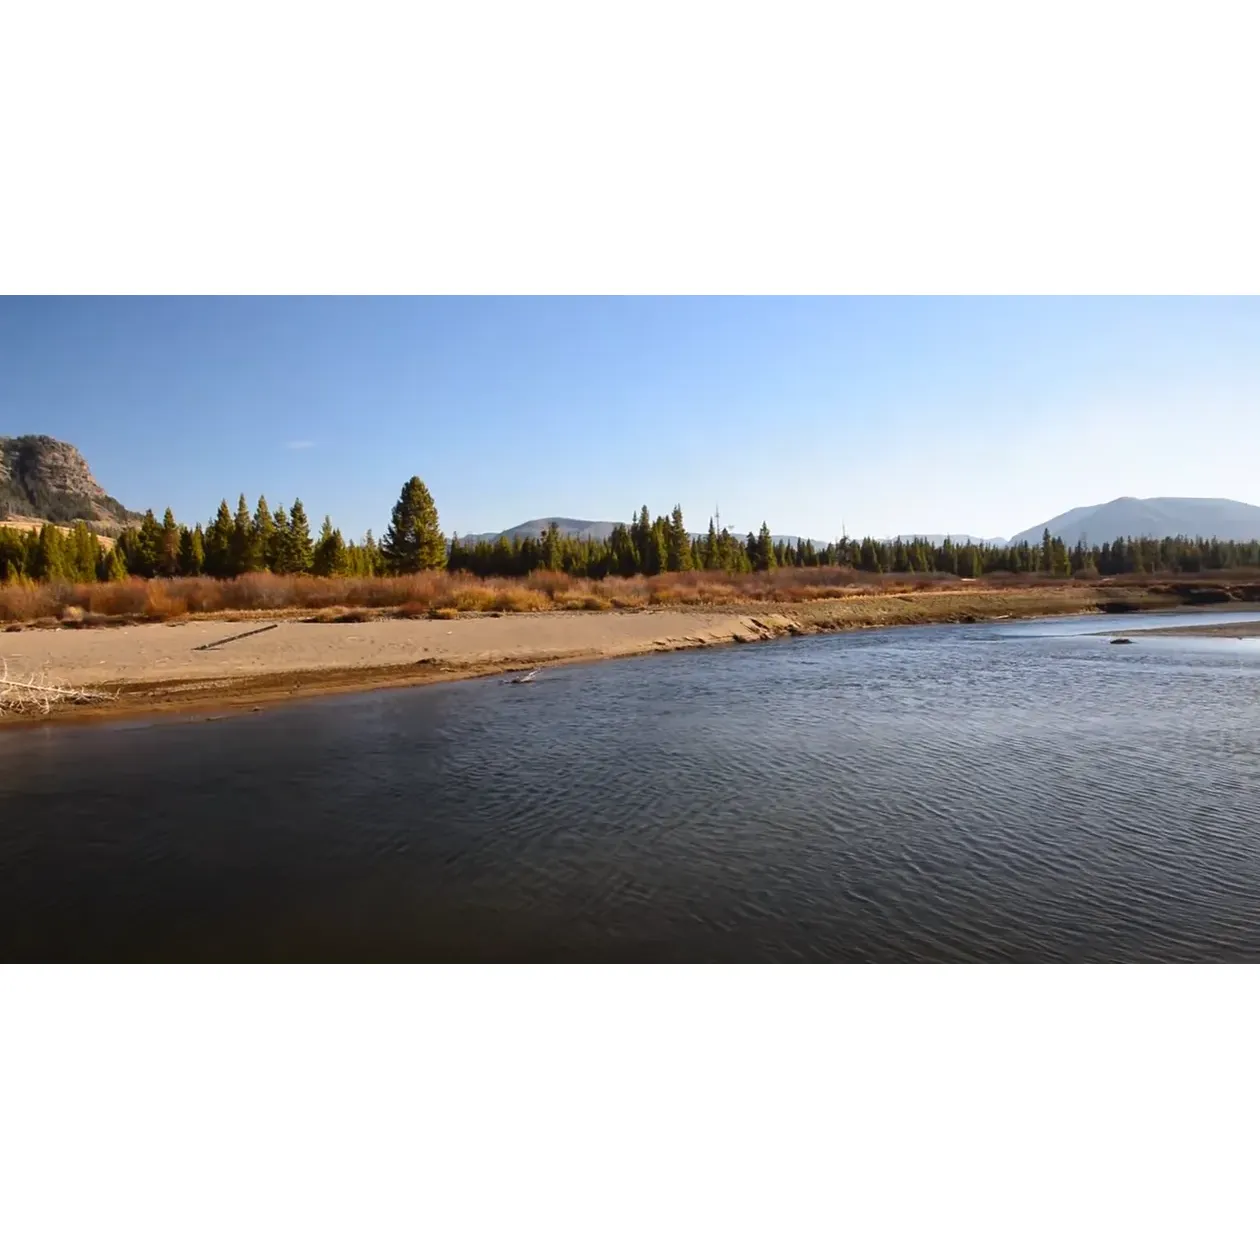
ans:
(1224, 630)
(183, 665)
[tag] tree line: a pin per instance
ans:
(233, 544)
(647, 547)
(240, 542)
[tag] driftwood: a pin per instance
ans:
(38, 693)
(205, 647)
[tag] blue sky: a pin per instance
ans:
(881, 415)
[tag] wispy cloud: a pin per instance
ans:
(301, 445)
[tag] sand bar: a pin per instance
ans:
(214, 663)
(173, 665)
(1222, 630)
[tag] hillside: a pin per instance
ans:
(1151, 518)
(567, 525)
(44, 479)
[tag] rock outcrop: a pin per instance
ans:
(44, 479)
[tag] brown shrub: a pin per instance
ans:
(161, 604)
(444, 613)
(520, 599)
(199, 594)
(24, 601)
(550, 581)
(474, 598)
(119, 599)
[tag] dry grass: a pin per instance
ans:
(449, 594)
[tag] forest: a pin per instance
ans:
(281, 542)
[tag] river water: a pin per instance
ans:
(1016, 792)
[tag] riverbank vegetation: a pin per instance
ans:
(264, 560)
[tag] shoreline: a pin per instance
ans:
(1221, 630)
(192, 666)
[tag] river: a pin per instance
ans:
(1023, 791)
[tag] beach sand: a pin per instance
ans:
(172, 665)
(217, 663)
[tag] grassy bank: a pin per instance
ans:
(451, 594)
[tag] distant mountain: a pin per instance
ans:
(567, 525)
(570, 527)
(937, 539)
(1151, 518)
(44, 479)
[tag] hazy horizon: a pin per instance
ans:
(875, 416)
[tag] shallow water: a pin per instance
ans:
(1023, 791)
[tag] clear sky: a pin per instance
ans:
(880, 415)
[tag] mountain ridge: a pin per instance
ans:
(1230, 520)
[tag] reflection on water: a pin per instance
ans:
(924, 793)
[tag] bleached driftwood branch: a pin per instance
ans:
(39, 693)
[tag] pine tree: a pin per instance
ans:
(712, 549)
(49, 559)
(299, 553)
(83, 553)
(641, 537)
(242, 530)
(414, 540)
(551, 548)
(623, 554)
(763, 549)
(678, 553)
(330, 552)
(113, 568)
(192, 556)
(262, 537)
(144, 560)
(218, 543)
(281, 528)
(167, 564)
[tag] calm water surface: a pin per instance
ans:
(1024, 792)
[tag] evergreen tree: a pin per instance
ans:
(762, 550)
(298, 552)
(83, 554)
(330, 552)
(623, 556)
(551, 548)
(242, 531)
(657, 548)
(218, 543)
(678, 550)
(712, 549)
(167, 564)
(144, 559)
(192, 556)
(278, 544)
(414, 540)
(262, 537)
(49, 559)
(113, 568)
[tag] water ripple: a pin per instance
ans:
(941, 793)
